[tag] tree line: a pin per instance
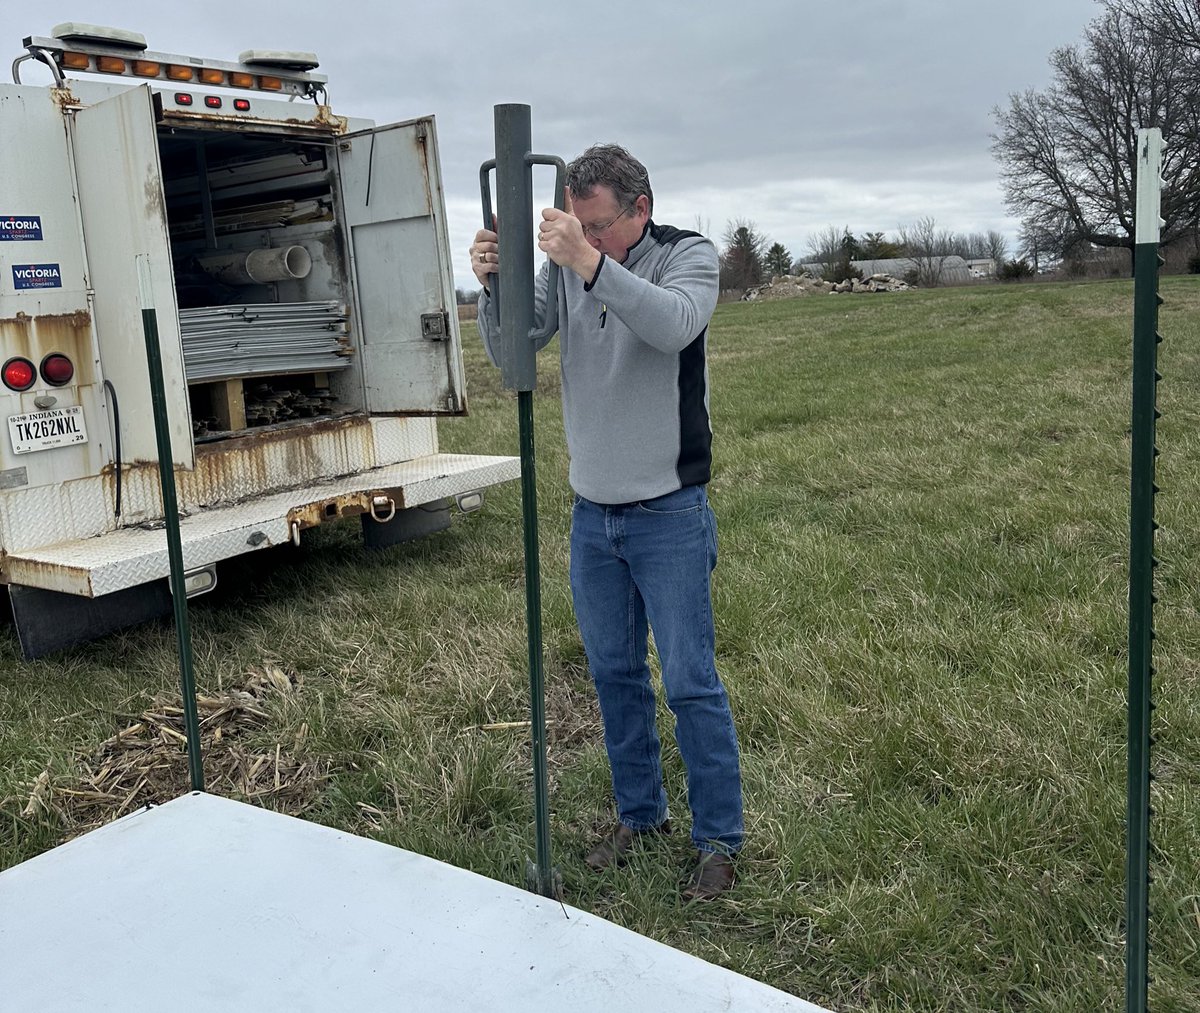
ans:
(749, 258)
(1067, 158)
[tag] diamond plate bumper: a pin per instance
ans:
(132, 556)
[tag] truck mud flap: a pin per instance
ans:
(48, 621)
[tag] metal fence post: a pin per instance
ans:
(519, 335)
(1146, 339)
(166, 474)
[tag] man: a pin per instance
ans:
(635, 300)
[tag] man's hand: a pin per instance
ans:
(561, 238)
(485, 255)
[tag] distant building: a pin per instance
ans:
(954, 270)
(982, 267)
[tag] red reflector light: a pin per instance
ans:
(242, 105)
(212, 101)
(57, 369)
(182, 98)
(18, 374)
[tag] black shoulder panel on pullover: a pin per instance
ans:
(668, 235)
(694, 466)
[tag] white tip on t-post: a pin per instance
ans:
(1148, 225)
(145, 290)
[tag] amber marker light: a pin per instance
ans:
(239, 80)
(110, 64)
(76, 61)
(146, 68)
(270, 84)
(209, 76)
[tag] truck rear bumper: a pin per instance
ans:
(128, 557)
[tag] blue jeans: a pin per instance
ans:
(635, 565)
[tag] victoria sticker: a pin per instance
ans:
(15, 228)
(36, 276)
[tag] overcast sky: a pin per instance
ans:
(792, 115)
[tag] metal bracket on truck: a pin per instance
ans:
(306, 312)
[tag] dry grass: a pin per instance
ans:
(145, 762)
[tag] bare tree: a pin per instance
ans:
(968, 245)
(1175, 22)
(742, 259)
(927, 246)
(703, 225)
(1067, 155)
(828, 246)
(1043, 244)
(997, 248)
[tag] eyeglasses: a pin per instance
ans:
(597, 231)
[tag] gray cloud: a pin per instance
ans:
(795, 115)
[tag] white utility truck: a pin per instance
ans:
(300, 272)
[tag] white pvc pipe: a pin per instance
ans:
(257, 267)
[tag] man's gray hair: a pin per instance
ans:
(612, 166)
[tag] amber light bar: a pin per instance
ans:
(283, 73)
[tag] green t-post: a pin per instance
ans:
(519, 339)
(166, 474)
(1146, 338)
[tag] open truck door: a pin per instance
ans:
(121, 203)
(410, 350)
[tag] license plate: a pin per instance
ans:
(54, 427)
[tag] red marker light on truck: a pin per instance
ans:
(57, 369)
(212, 101)
(182, 98)
(242, 105)
(18, 374)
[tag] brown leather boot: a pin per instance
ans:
(712, 876)
(615, 845)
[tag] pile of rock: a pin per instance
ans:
(875, 283)
(789, 286)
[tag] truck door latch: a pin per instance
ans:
(435, 326)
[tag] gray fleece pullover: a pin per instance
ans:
(634, 374)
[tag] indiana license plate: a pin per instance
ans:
(54, 427)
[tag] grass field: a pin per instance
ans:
(922, 618)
